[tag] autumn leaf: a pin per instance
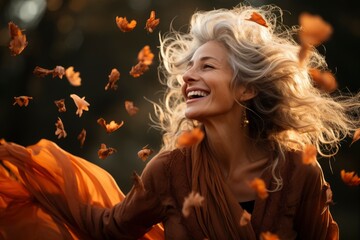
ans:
(18, 40)
(145, 58)
(131, 108)
(192, 200)
(309, 154)
(111, 127)
(259, 186)
(144, 153)
(138, 70)
(245, 218)
(61, 105)
(104, 151)
(81, 137)
(22, 100)
(323, 80)
(151, 23)
(80, 103)
(189, 138)
(124, 25)
(113, 78)
(356, 136)
(257, 18)
(60, 130)
(269, 236)
(73, 77)
(350, 178)
(58, 71)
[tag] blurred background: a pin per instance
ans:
(83, 34)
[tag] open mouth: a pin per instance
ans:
(196, 94)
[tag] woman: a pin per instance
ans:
(237, 77)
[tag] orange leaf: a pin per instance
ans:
(80, 103)
(124, 25)
(111, 127)
(18, 40)
(350, 178)
(131, 108)
(268, 236)
(113, 78)
(189, 138)
(356, 136)
(58, 71)
(81, 137)
(60, 130)
(61, 105)
(151, 23)
(22, 100)
(259, 186)
(73, 77)
(192, 200)
(323, 80)
(245, 218)
(257, 18)
(144, 153)
(309, 154)
(104, 151)
(145, 55)
(314, 30)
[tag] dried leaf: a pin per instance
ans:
(314, 30)
(22, 100)
(324, 80)
(113, 78)
(60, 130)
(245, 218)
(138, 70)
(350, 178)
(124, 25)
(309, 155)
(189, 138)
(259, 186)
(268, 236)
(61, 105)
(192, 200)
(257, 18)
(18, 40)
(130, 108)
(151, 23)
(81, 137)
(80, 103)
(145, 58)
(104, 151)
(144, 153)
(58, 71)
(356, 136)
(111, 127)
(73, 77)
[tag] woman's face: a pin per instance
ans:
(207, 83)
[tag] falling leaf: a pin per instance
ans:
(257, 18)
(323, 80)
(104, 151)
(61, 105)
(80, 103)
(145, 58)
(73, 77)
(111, 127)
(144, 153)
(259, 186)
(113, 78)
(130, 108)
(309, 155)
(22, 100)
(151, 23)
(60, 130)
(124, 25)
(81, 137)
(356, 136)
(192, 200)
(189, 138)
(138, 70)
(269, 236)
(245, 218)
(58, 71)
(350, 178)
(18, 40)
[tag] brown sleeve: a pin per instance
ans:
(138, 212)
(314, 220)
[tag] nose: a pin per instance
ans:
(190, 75)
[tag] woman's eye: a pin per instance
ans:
(207, 66)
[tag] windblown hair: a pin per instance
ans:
(288, 112)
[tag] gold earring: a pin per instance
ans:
(245, 121)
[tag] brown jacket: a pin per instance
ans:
(298, 211)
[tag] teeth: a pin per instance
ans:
(197, 93)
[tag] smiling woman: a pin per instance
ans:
(240, 84)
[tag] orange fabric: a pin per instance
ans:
(39, 181)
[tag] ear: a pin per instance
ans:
(245, 93)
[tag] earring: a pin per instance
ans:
(245, 121)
